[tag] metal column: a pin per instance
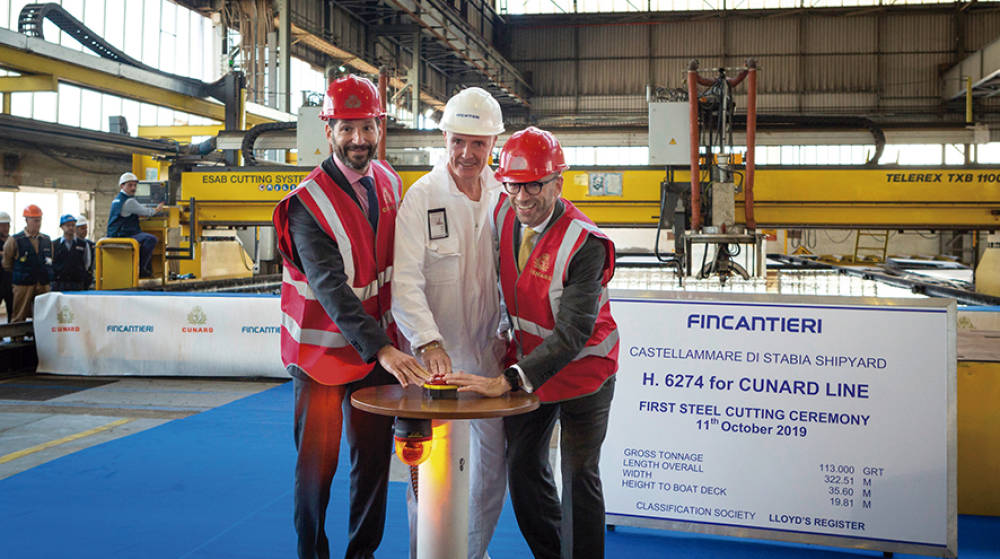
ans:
(414, 79)
(284, 51)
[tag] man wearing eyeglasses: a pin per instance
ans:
(555, 265)
(444, 296)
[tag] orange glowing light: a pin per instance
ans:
(413, 450)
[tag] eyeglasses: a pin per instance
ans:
(531, 188)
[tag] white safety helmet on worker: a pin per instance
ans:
(81, 220)
(472, 111)
(126, 177)
(4, 217)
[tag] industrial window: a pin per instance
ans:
(160, 33)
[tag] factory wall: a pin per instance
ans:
(842, 61)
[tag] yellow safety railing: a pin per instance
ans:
(117, 264)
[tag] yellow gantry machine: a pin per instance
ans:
(960, 198)
(219, 198)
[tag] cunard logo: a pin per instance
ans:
(197, 319)
(543, 262)
(65, 318)
(541, 266)
(65, 315)
(352, 102)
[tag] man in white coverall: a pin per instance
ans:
(444, 286)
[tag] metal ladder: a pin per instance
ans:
(871, 246)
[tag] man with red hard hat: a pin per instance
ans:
(28, 255)
(554, 267)
(335, 234)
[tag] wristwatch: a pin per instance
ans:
(513, 378)
(429, 346)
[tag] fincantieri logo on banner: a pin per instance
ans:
(261, 329)
(65, 319)
(196, 320)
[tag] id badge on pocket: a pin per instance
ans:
(437, 223)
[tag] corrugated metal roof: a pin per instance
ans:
(760, 36)
(982, 29)
(836, 34)
(860, 63)
(918, 32)
(908, 75)
(542, 43)
(614, 40)
(837, 102)
(837, 73)
(607, 77)
(550, 79)
(688, 39)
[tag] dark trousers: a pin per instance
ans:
(573, 528)
(147, 242)
(320, 411)
(59, 285)
(7, 296)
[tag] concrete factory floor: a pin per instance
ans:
(43, 417)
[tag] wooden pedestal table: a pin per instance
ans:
(443, 499)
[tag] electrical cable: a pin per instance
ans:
(250, 138)
(243, 254)
(835, 241)
(47, 152)
(415, 481)
(672, 259)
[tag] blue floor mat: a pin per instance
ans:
(218, 485)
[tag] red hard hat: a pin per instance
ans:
(351, 97)
(530, 155)
(32, 211)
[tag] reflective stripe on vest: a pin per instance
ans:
(394, 179)
(333, 221)
(322, 338)
(363, 293)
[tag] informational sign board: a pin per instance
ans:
(824, 420)
(105, 333)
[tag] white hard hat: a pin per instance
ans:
(127, 177)
(4, 217)
(81, 220)
(472, 111)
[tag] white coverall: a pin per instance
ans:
(446, 289)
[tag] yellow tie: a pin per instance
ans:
(527, 242)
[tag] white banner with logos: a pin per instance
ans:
(103, 333)
(817, 419)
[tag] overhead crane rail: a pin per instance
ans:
(32, 16)
(226, 89)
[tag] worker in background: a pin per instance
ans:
(70, 259)
(123, 221)
(444, 293)
(82, 230)
(28, 255)
(6, 287)
(335, 234)
(555, 265)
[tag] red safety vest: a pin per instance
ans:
(309, 338)
(532, 299)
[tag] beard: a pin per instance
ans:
(342, 154)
